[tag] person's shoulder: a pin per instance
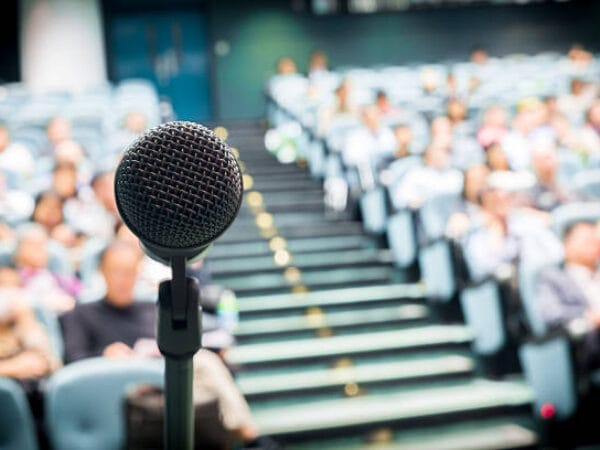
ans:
(553, 275)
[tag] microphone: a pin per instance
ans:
(178, 188)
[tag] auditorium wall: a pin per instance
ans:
(248, 39)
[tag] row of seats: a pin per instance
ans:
(501, 309)
(83, 405)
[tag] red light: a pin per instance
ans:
(547, 411)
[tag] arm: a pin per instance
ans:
(211, 376)
(551, 302)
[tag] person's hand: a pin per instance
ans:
(29, 365)
(118, 350)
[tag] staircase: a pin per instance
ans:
(336, 350)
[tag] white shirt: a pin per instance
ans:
(588, 281)
(424, 182)
(364, 146)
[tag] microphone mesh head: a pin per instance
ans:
(178, 186)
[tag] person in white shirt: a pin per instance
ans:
(434, 177)
(370, 143)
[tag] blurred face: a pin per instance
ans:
(135, 122)
(48, 211)
(479, 56)
(371, 118)
(286, 66)
(120, 267)
(441, 126)
(436, 157)
(58, 130)
(318, 61)
(68, 152)
(496, 202)
(594, 115)
(545, 164)
(32, 251)
(4, 138)
(456, 111)
(403, 135)
(475, 178)
(495, 116)
(64, 182)
(105, 192)
(582, 246)
(496, 158)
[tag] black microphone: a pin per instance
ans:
(178, 188)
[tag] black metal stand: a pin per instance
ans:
(179, 333)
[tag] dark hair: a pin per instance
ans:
(572, 228)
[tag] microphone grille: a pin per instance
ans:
(178, 186)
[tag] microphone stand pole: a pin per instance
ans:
(179, 338)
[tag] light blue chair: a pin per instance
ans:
(84, 401)
(482, 309)
(548, 368)
(437, 271)
(402, 239)
(373, 209)
(17, 428)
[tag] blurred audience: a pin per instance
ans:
(569, 295)
(117, 326)
(25, 349)
(51, 289)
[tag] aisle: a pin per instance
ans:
(335, 349)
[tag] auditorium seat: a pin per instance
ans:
(84, 402)
(17, 428)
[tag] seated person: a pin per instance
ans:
(570, 296)
(119, 327)
(507, 235)
(371, 143)
(474, 180)
(434, 177)
(494, 127)
(404, 137)
(547, 193)
(25, 349)
(54, 291)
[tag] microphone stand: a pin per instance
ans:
(179, 338)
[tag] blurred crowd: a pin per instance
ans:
(510, 145)
(74, 282)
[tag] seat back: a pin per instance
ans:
(373, 209)
(402, 238)
(548, 369)
(17, 429)
(482, 311)
(436, 265)
(84, 401)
